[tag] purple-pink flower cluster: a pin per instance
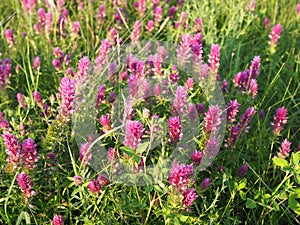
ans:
(181, 177)
(280, 119)
(5, 72)
(26, 185)
(133, 134)
(67, 95)
(246, 80)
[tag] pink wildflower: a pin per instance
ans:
(175, 133)
(181, 176)
(190, 196)
(285, 149)
(280, 119)
(26, 185)
(29, 153)
(133, 134)
(58, 220)
(212, 118)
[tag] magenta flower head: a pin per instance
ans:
(280, 119)
(184, 50)
(101, 13)
(214, 59)
(37, 97)
(42, 16)
(133, 134)
(150, 25)
(205, 183)
(181, 176)
(175, 133)
(189, 196)
(189, 83)
(174, 74)
(25, 185)
(246, 119)
(21, 100)
(36, 63)
(9, 38)
(255, 67)
(180, 101)
(58, 220)
(172, 11)
(103, 181)
(100, 95)
(77, 180)
(212, 119)
(234, 133)
(267, 22)
(29, 5)
(29, 153)
(211, 149)
(298, 9)
(67, 95)
(285, 149)
(85, 154)
(253, 88)
(111, 155)
(105, 122)
(140, 6)
(196, 157)
(76, 27)
(94, 186)
(158, 14)
(48, 22)
(135, 36)
(242, 171)
(274, 36)
(13, 149)
(83, 68)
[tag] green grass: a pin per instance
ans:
(266, 194)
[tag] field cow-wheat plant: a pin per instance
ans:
(149, 112)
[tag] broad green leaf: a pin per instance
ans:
(242, 183)
(250, 204)
(296, 158)
(127, 150)
(293, 203)
(142, 147)
(242, 195)
(280, 162)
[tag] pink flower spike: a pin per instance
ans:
(175, 133)
(214, 58)
(285, 149)
(21, 100)
(232, 110)
(67, 95)
(212, 119)
(26, 185)
(58, 220)
(29, 153)
(135, 36)
(190, 196)
(280, 119)
(275, 34)
(9, 38)
(133, 134)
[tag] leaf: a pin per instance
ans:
(250, 204)
(242, 183)
(137, 158)
(280, 162)
(142, 147)
(293, 203)
(127, 150)
(296, 158)
(149, 189)
(242, 195)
